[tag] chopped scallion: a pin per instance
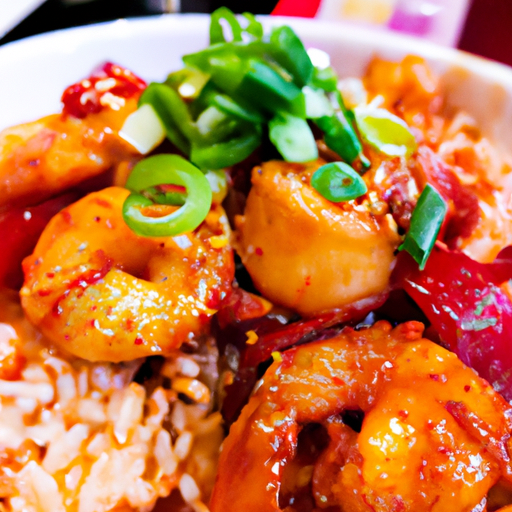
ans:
(160, 170)
(338, 182)
(293, 138)
(426, 221)
(385, 132)
(264, 87)
(288, 51)
(143, 129)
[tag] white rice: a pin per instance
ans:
(84, 437)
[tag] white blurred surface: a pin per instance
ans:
(14, 11)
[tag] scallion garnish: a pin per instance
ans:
(287, 50)
(338, 182)
(270, 91)
(218, 32)
(216, 109)
(386, 132)
(161, 170)
(426, 221)
(293, 138)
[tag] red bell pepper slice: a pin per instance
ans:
(273, 336)
(20, 229)
(466, 306)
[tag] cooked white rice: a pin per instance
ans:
(79, 436)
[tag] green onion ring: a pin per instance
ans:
(338, 182)
(160, 170)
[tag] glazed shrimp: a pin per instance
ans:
(434, 435)
(42, 158)
(306, 253)
(102, 292)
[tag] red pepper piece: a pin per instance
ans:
(463, 301)
(274, 336)
(89, 96)
(463, 208)
(20, 229)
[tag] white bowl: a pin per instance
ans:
(35, 71)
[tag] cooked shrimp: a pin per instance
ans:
(434, 435)
(42, 158)
(306, 253)
(101, 292)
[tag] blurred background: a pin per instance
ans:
(482, 27)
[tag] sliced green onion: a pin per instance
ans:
(160, 170)
(264, 87)
(143, 129)
(325, 78)
(426, 221)
(217, 30)
(222, 63)
(227, 153)
(250, 25)
(172, 112)
(243, 112)
(317, 103)
(188, 82)
(214, 125)
(385, 132)
(340, 136)
(338, 182)
(205, 59)
(293, 138)
(288, 51)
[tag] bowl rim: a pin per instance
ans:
(61, 44)
(353, 32)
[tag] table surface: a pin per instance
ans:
(487, 31)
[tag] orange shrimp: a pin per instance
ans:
(434, 435)
(42, 158)
(102, 292)
(306, 253)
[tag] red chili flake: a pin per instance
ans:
(97, 219)
(434, 377)
(50, 275)
(130, 324)
(138, 341)
(67, 216)
(44, 293)
(94, 308)
(102, 202)
(307, 281)
(213, 301)
(338, 381)
(87, 96)
(91, 322)
(403, 415)
(467, 388)
(259, 251)
(89, 277)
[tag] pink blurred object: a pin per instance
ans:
(440, 21)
